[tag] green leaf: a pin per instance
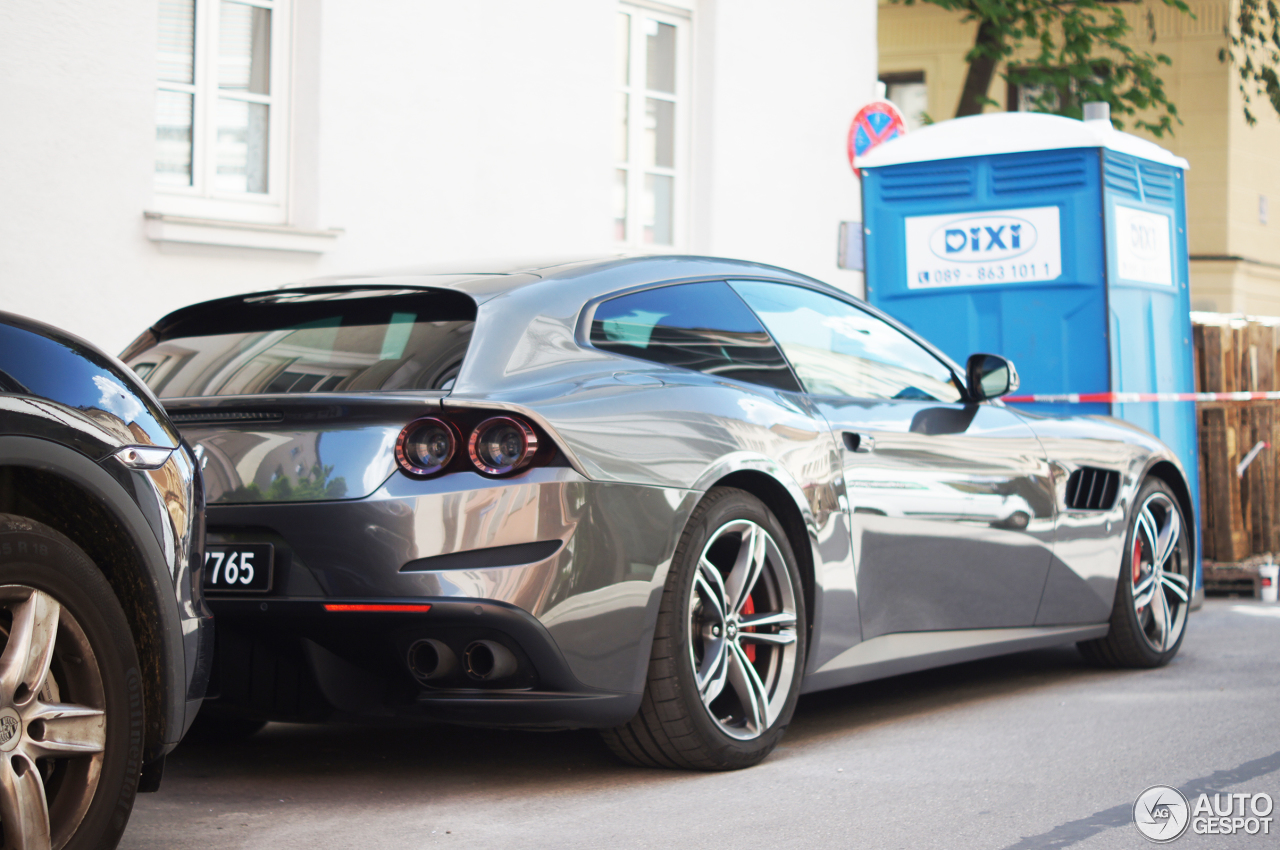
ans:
(1079, 51)
(1254, 50)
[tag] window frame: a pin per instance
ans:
(897, 78)
(957, 374)
(1015, 92)
(582, 333)
(637, 93)
(586, 318)
(201, 199)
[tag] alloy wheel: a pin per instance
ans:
(742, 629)
(1160, 573)
(52, 720)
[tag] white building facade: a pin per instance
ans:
(154, 153)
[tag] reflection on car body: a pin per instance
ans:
(485, 495)
(106, 641)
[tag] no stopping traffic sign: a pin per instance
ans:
(875, 124)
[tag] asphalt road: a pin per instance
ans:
(1028, 751)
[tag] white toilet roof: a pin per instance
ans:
(1011, 132)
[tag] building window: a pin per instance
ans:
(1028, 97)
(909, 92)
(221, 113)
(652, 127)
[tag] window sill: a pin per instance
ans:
(162, 227)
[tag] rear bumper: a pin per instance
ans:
(297, 660)
(584, 560)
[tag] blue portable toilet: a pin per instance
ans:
(1058, 243)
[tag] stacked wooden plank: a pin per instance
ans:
(1238, 515)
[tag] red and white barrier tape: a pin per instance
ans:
(1129, 398)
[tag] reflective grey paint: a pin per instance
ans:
(906, 652)
(952, 514)
(597, 596)
(1089, 544)
(349, 439)
(954, 521)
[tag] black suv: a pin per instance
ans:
(106, 639)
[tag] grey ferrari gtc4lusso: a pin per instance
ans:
(659, 496)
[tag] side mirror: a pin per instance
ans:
(990, 376)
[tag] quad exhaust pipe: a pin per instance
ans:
(486, 660)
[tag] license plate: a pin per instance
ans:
(244, 568)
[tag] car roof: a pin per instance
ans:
(581, 279)
(573, 282)
(488, 279)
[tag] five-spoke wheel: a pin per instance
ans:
(44, 739)
(729, 644)
(71, 707)
(742, 629)
(1153, 594)
(1161, 581)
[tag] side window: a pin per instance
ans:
(837, 349)
(699, 326)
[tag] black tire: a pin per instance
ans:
(34, 556)
(674, 728)
(1130, 642)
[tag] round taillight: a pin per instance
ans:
(425, 446)
(502, 444)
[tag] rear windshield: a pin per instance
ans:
(308, 342)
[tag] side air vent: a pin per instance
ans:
(1091, 489)
(1121, 175)
(1157, 183)
(902, 183)
(1038, 174)
(221, 417)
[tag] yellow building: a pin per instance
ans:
(1235, 169)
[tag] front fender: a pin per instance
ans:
(816, 518)
(144, 580)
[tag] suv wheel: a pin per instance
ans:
(71, 708)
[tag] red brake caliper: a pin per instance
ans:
(1137, 558)
(749, 607)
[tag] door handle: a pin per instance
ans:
(861, 443)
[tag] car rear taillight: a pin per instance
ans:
(472, 440)
(395, 608)
(502, 444)
(425, 446)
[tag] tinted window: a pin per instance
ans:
(348, 341)
(700, 326)
(837, 349)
